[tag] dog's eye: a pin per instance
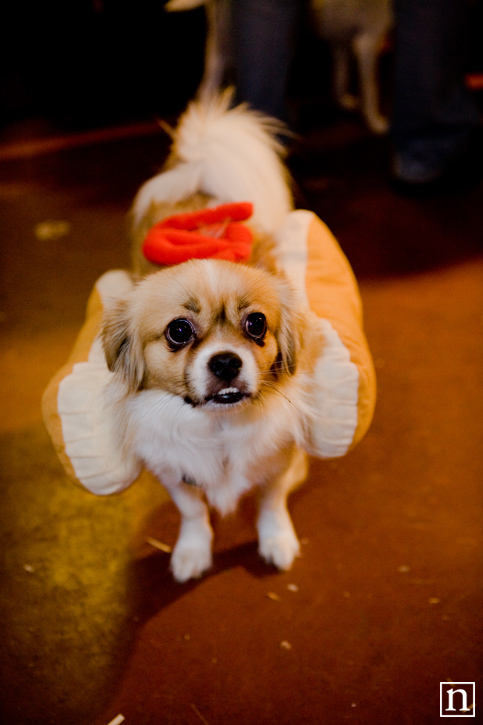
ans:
(256, 325)
(179, 333)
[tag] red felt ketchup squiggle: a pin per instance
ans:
(214, 233)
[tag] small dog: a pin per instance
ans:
(352, 28)
(212, 358)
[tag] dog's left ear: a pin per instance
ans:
(122, 347)
(290, 332)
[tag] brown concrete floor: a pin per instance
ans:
(387, 599)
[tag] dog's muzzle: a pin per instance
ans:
(225, 367)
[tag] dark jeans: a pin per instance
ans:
(264, 39)
(433, 114)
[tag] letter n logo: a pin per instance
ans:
(457, 699)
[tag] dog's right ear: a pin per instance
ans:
(122, 346)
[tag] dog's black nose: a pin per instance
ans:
(225, 365)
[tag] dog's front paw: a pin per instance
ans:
(190, 560)
(277, 540)
(349, 102)
(378, 124)
(280, 550)
(192, 554)
(278, 543)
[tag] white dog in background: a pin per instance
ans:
(353, 28)
(212, 358)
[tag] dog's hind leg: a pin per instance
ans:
(341, 77)
(278, 543)
(366, 49)
(218, 48)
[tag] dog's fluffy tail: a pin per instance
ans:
(230, 154)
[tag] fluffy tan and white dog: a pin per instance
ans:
(212, 358)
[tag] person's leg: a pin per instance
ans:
(433, 115)
(264, 37)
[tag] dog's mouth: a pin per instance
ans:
(227, 396)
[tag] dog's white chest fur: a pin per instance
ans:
(218, 452)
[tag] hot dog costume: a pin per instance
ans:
(344, 386)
